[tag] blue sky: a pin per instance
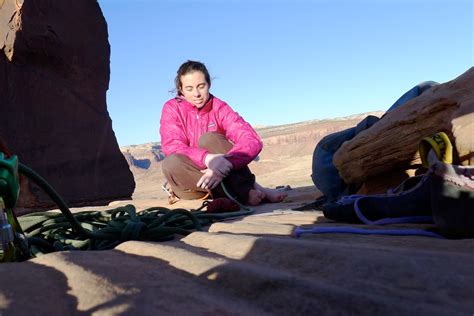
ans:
(281, 61)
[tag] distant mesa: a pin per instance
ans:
(142, 163)
(285, 159)
(157, 153)
(143, 156)
(294, 139)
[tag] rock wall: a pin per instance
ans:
(54, 74)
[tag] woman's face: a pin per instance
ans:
(195, 88)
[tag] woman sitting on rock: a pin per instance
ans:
(206, 142)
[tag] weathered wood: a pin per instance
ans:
(392, 143)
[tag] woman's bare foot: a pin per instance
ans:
(258, 194)
(274, 195)
(255, 197)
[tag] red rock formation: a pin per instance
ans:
(54, 74)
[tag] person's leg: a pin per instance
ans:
(239, 182)
(182, 175)
(215, 143)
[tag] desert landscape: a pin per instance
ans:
(285, 160)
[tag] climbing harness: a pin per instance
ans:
(38, 233)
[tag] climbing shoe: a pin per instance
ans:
(341, 211)
(452, 199)
(410, 198)
(413, 200)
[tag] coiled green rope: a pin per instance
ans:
(48, 231)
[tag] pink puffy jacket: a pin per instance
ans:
(182, 124)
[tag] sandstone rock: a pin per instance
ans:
(54, 74)
(392, 143)
(250, 266)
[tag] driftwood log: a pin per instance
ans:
(392, 143)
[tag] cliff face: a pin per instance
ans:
(54, 74)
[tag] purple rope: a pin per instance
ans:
(361, 231)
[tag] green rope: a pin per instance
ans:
(230, 196)
(48, 231)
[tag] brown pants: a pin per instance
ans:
(182, 174)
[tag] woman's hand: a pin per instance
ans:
(210, 179)
(218, 167)
(218, 163)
